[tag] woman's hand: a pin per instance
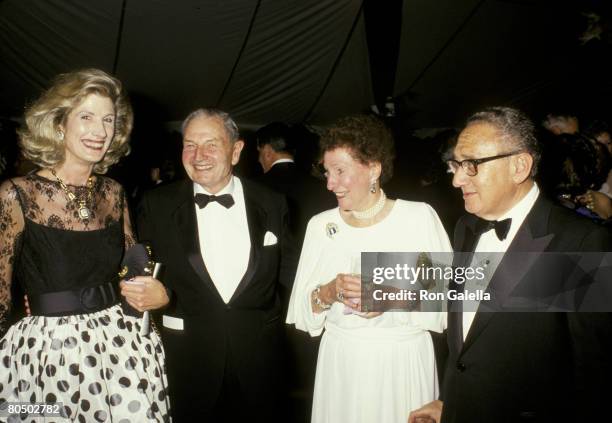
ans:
(345, 289)
(144, 293)
(597, 202)
(348, 290)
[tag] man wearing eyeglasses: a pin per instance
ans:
(517, 366)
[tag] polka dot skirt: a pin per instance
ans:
(96, 365)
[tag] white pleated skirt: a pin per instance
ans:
(373, 375)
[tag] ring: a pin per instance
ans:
(340, 295)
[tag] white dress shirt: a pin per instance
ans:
(282, 161)
(225, 243)
(489, 243)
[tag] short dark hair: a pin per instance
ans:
(577, 164)
(516, 128)
(278, 136)
(368, 139)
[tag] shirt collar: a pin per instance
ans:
(227, 189)
(282, 161)
(520, 210)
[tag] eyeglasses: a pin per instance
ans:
(470, 166)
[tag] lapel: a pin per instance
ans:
(532, 237)
(184, 217)
(461, 258)
(256, 221)
(468, 244)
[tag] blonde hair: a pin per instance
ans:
(41, 141)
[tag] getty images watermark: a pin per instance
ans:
(425, 275)
(509, 282)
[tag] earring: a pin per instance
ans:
(60, 134)
(373, 186)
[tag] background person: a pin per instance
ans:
(306, 196)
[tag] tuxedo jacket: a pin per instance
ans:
(306, 196)
(248, 330)
(525, 366)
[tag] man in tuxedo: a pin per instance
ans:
(517, 366)
(225, 246)
(306, 196)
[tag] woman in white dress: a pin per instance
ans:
(372, 367)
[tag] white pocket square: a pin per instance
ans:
(270, 239)
(172, 322)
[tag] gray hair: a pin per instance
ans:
(230, 126)
(517, 130)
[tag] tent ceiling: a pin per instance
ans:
(304, 60)
(484, 53)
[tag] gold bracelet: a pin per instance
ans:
(317, 299)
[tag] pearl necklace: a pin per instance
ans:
(84, 211)
(372, 211)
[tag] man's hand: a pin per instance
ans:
(429, 413)
(144, 293)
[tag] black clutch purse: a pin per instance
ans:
(137, 261)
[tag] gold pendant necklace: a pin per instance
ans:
(84, 211)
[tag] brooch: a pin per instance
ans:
(331, 229)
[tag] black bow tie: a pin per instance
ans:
(501, 227)
(226, 200)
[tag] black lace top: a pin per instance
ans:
(44, 245)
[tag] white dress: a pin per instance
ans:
(368, 370)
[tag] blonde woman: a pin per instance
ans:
(63, 231)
